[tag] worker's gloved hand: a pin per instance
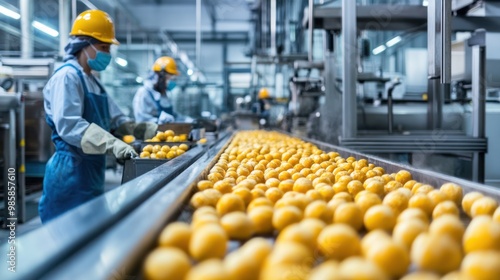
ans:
(97, 141)
(165, 118)
(146, 130)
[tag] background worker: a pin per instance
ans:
(81, 116)
(151, 103)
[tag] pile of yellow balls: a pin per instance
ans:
(168, 136)
(330, 218)
(163, 151)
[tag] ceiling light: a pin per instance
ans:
(190, 72)
(425, 3)
(379, 49)
(120, 61)
(139, 80)
(393, 41)
(44, 28)
(9, 13)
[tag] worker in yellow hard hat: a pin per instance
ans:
(151, 102)
(81, 116)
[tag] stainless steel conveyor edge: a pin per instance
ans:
(44, 248)
(424, 176)
(118, 252)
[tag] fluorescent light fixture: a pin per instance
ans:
(379, 49)
(139, 79)
(425, 3)
(9, 13)
(190, 72)
(120, 61)
(393, 41)
(44, 28)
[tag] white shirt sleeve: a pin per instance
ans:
(63, 101)
(144, 107)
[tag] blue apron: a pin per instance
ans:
(71, 176)
(167, 108)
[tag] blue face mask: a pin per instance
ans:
(101, 60)
(171, 85)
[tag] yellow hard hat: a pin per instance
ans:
(264, 93)
(96, 24)
(167, 64)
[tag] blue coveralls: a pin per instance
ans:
(71, 176)
(167, 108)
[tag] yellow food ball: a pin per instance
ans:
(230, 202)
(286, 216)
(390, 256)
(326, 192)
(422, 202)
(241, 266)
(259, 202)
(483, 206)
(453, 192)
(257, 248)
(413, 213)
(436, 253)
(340, 187)
(367, 200)
(302, 185)
(397, 201)
(374, 186)
(380, 217)
(315, 226)
(496, 215)
(203, 220)
(256, 193)
(208, 241)
(176, 234)
(180, 152)
(285, 272)
(338, 242)
(469, 199)
(409, 184)
(425, 189)
(171, 154)
(392, 186)
(165, 148)
(358, 268)
(314, 195)
(145, 154)
(152, 156)
(262, 219)
(169, 132)
(148, 148)
(421, 276)
(223, 186)
(245, 194)
(319, 209)
(155, 139)
(166, 263)
(450, 225)
(208, 197)
(445, 207)
(237, 225)
(208, 270)
(482, 265)
(454, 275)
(482, 234)
(328, 270)
(343, 195)
(204, 184)
(274, 194)
(184, 147)
(128, 139)
(437, 196)
(354, 187)
(373, 237)
(403, 176)
(405, 232)
(286, 185)
(349, 213)
(297, 233)
(290, 253)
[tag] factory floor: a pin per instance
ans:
(112, 180)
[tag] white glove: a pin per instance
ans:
(165, 118)
(97, 141)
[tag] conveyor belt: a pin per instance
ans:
(119, 252)
(42, 249)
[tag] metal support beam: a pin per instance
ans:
(311, 28)
(26, 7)
(272, 24)
(349, 70)
(64, 25)
(436, 44)
(478, 99)
(198, 33)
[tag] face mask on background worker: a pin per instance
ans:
(100, 61)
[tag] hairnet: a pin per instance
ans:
(76, 44)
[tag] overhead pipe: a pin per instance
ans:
(198, 33)
(26, 9)
(64, 25)
(349, 69)
(311, 28)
